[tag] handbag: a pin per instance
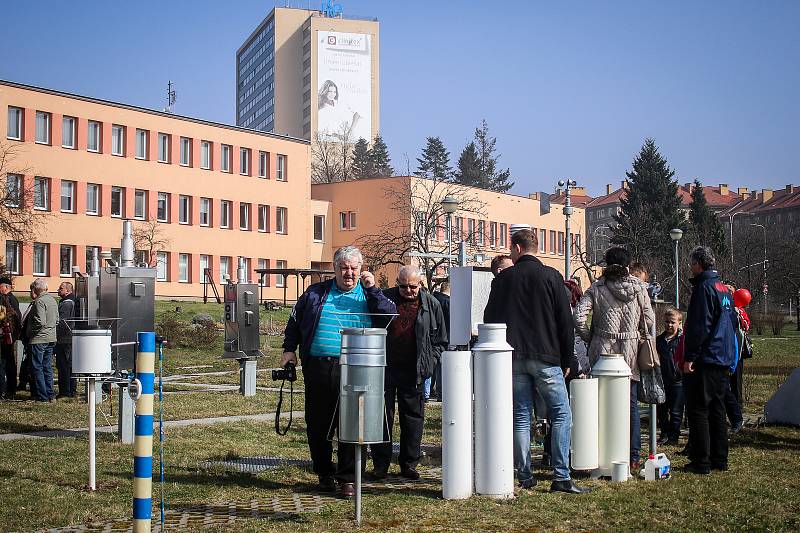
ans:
(647, 354)
(747, 346)
(651, 386)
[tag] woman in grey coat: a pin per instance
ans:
(621, 315)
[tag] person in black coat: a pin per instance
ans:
(12, 323)
(433, 386)
(530, 299)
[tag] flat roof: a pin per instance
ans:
(150, 111)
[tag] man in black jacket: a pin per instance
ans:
(67, 308)
(530, 299)
(414, 345)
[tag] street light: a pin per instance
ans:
(568, 184)
(675, 235)
(449, 206)
(730, 220)
(764, 288)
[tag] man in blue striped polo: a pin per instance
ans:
(315, 325)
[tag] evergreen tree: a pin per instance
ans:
(469, 170)
(650, 209)
(485, 144)
(361, 166)
(704, 225)
(435, 161)
(380, 164)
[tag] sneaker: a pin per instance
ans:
(379, 474)
(528, 483)
(327, 484)
(410, 473)
(737, 427)
(569, 487)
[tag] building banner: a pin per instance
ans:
(344, 91)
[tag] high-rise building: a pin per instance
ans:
(308, 74)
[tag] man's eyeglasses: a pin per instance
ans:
(412, 287)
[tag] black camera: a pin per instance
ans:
(288, 372)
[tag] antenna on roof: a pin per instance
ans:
(171, 97)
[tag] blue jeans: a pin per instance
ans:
(427, 388)
(636, 423)
(530, 375)
(42, 370)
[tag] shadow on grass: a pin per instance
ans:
(764, 441)
(191, 477)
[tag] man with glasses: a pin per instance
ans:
(315, 325)
(414, 345)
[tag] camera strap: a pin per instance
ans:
(278, 409)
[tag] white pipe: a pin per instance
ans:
(494, 427)
(92, 483)
(456, 425)
(585, 419)
(358, 484)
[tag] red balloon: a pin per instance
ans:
(741, 298)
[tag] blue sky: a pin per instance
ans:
(568, 88)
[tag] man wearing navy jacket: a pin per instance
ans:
(710, 353)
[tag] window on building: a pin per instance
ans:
(141, 144)
(246, 262)
(12, 258)
(140, 204)
(117, 202)
(280, 168)
(68, 125)
(319, 228)
(347, 220)
(162, 211)
(163, 148)
(184, 209)
(43, 127)
(560, 243)
(244, 161)
(552, 241)
(263, 164)
(14, 130)
(493, 234)
(263, 281)
(41, 193)
(542, 241)
(244, 216)
(89, 255)
(205, 263)
(205, 211)
(503, 235)
(224, 268)
(459, 228)
(281, 220)
(92, 199)
(186, 151)
(263, 218)
(481, 233)
(67, 196)
(13, 190)
(183, 267)
(66, 259)
(577, 241)
(225, 214)
(205, 155)
(40, 259)
(471, 230)
(225, 158)
(117, 140)
(93, 136)
(162, 264)
(280, 279)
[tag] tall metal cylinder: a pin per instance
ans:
(127, 247)
(143, 433)
(583, 400)
(614, 404)
(361, 407)
(456, 425)
(494, 427)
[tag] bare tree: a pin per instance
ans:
(148, 236)
(332, 156)
(19, 220)
(417, 223)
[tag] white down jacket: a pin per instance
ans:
(617, 308)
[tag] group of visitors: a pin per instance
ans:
(44, 331)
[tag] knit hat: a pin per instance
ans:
(5, 280)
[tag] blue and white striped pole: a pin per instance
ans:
(143, 433)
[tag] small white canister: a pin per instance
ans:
(91, 352)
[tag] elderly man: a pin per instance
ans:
(41, 332)
(8, 363)
(530, 299)
(315, 326)
(414, 345)
(67, 308)
(710, 354)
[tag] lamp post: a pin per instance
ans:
(764, 288)
(676, 235)
(449, 206)
(567, 184)
(730, 220)
(594, 239)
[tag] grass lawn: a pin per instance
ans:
(42, 481)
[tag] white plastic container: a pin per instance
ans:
(614, 408)
(584, 443)
(657, 467)
(91, 352)
(456, 425)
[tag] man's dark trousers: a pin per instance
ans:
(321, 376)
(411, 403)
(705, 407)
(8, 371)
(66, 385)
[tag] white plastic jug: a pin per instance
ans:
(657, 467)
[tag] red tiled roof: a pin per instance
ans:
(754, 203)
(577, 200)
(608, 199)
(712, 192)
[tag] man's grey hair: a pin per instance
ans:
(39, 286)
(347, 252)
(409, 271)
(703, 256)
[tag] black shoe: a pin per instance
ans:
(721, 468)
(327, 484)
(569, 487)
(528, 483)
(410, 473)
(379, 474)
(684, 451)
(347, 490)
(693, 468)
(664, 440)
(737, 427)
